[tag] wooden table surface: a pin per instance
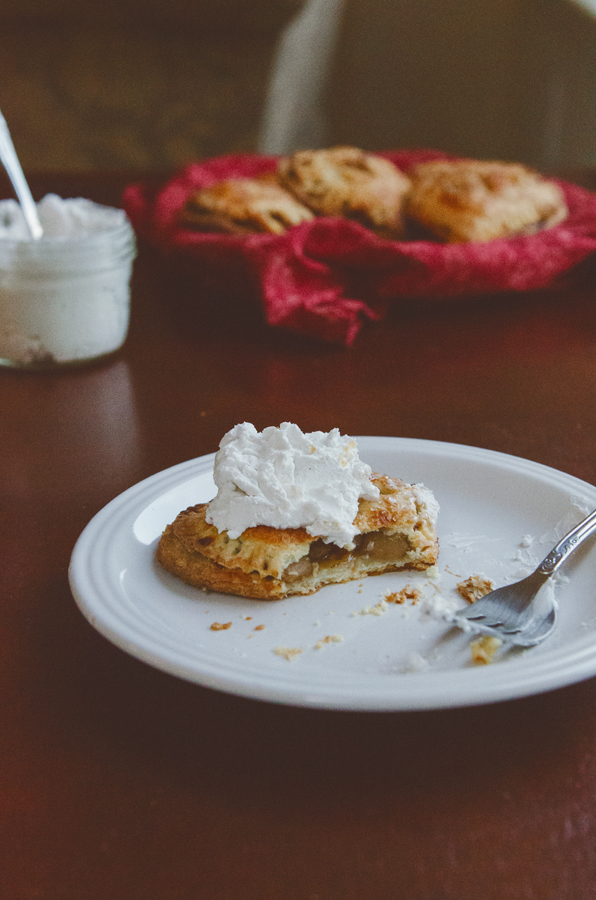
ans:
(119, 780)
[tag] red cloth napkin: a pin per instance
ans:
(326, 277)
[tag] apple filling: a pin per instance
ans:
(378, 547)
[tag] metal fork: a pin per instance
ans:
(509, 612)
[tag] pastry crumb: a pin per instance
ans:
(329, 639)
(400, 597)
(483, 650)
(288, 653)
(475, 587)
(415, 662)
(258, 627)
(217, 626)
(379, 609)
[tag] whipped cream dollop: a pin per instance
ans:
(285, 478)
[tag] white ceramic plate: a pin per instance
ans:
(499, 516)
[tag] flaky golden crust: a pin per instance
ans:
(396, 531)
(347, 182)
(475, 200)
(197, 570)
(267, 551)
(244, 206)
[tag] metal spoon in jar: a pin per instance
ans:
(12, 165)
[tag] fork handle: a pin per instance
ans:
(567, 545)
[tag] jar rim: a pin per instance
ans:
(124, 229)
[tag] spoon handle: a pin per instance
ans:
(12, 165)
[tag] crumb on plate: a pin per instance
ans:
(217, 626)
(475, 587)
(329, 639)
(400, 597)
(415, 662)
(288, 653)
(378, 609)
(483, 649)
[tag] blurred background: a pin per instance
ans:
(125, 84)
(151, 86)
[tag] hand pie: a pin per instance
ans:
(395, 531)
(474, 200)
(346, 182)
(244, 206)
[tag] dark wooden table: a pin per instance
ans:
(118, 780)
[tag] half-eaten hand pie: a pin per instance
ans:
(395, 531)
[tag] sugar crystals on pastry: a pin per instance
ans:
(479, 200)
(297, 511)
(347, 182)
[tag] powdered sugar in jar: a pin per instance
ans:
(65, 298)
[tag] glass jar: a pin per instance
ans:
(65, 300)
